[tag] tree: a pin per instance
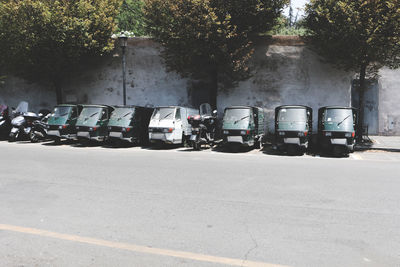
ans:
(131, 17)
(44, 40)
(210, 39)
(358, 35)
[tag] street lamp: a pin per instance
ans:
(123, 40)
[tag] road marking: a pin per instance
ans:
(137, 248)
(356, 157)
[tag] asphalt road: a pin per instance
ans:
(75, 206)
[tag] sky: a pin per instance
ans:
(297, 5)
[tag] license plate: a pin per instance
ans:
(157, 136)
(295, 140)
(235, 139)
(193, 138)
(84, 134)
(53, 133)
(116, 134)
(339, 141)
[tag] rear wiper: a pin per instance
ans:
(94, 114)
(126, 114)
(241, 119)
(343, 120)
(62, 115)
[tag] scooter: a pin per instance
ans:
(5, 122)
(22, 126)
(203, 127)
(39, 127)
(17, 119)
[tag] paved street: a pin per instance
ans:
(93, 206)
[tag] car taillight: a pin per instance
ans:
(305, 133)
(64, 126)
(94, 128)
(170, 130)
(353, 134)
(248, 132)
(128, 129)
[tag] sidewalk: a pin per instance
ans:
(385, 143)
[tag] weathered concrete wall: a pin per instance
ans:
(147, 80)
(285, 71)
(15, 90)
(289, 75)
(389, 99)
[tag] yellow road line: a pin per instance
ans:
(137, 248)
(356, 156)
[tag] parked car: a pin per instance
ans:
(5, 122)
(92, 123)
(62, 121)
(129, 124)
(203, 127)
(243, 126)
(293, 128)
(337, 129)
(169, 125)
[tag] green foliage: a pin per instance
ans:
(211, 37)
(356, 33)
(359, 35)
(45, 39)
(282, 27)
(131, 17)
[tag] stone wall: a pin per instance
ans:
(289, 74)
(389, 99)
(284, 71)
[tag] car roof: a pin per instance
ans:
(337, 107)
(293, 106)
(97, 106)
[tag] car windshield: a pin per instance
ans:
(90, 115)
(292, 115)
(122, 113)
(236, 115)
(339, 116)
(61, 111)
(163, 113)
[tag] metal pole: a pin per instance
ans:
(124, 74)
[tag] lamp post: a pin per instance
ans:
(123, 40)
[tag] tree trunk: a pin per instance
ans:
(361, 101)
(213, 89)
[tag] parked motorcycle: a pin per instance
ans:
(203, 127)
(5, 122)
(39, 127)
(17, 120)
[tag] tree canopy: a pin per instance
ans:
(210, 37)
(45, 39)
(358, 35)
(131, 17)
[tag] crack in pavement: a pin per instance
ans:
(252, 248)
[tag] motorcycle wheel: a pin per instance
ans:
(12, 137)
(196, 146)
(33, 137)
